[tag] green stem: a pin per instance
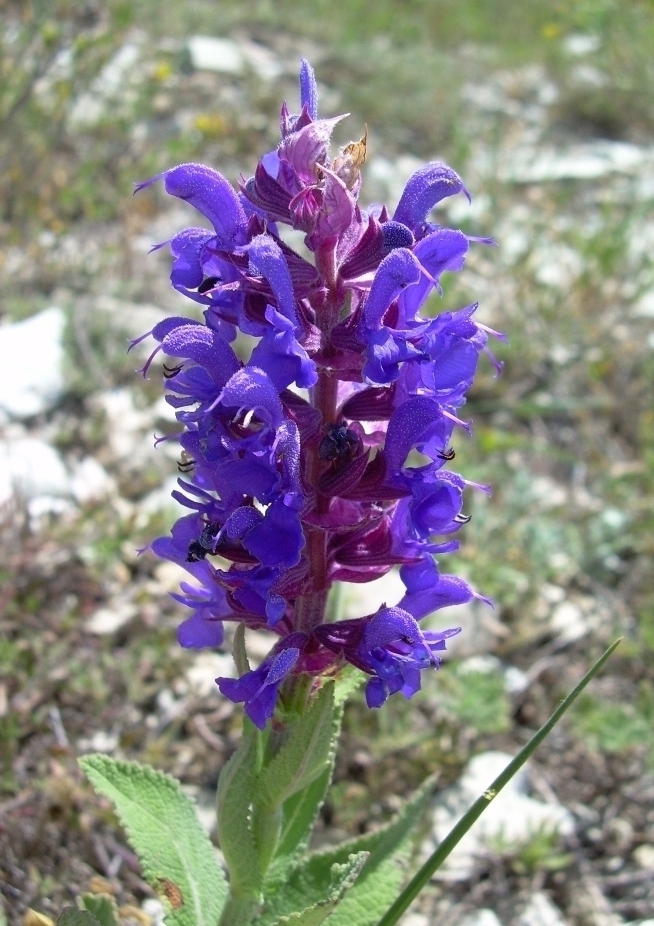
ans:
(266, 827)
(238, 911)
(457, 833)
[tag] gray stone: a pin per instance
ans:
(32, 356)
(90, 481)
(112, 618)
(584, 161)
(208, 53)
(226, 56)
(540, 911)
(483, 917)
(644, 856)
(31, 468)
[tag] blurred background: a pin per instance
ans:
(547, 111)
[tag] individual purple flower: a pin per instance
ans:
(259, 687)
(299, 458)
(389, 646)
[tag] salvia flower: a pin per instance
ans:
(300, 464)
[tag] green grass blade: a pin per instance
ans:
(457, 833)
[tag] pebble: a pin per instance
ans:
(100, 741)
(225, 56)
(480, 629)
(155, 910)
(540, 911)
(415, 919)
(644, 856)
(33, 358)
(109, 620)
(569, 622)
(512, 817)
(32, 469)
(214, 54)
(207, 667)
(584, 161)
(90, 481)
(483, 917)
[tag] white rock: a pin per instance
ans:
(589, 75)
(585, 161)
(213, 54)
(511, 818)
(33, 469)
(360, 599)
(483, 664)
(540, 911)
(262, 60)
(32, 357)
(38, 508)
(644, 856)
(100, 741)
(569, 622)
(129, 428)
(108, 620)
(579, 43)
(557, 266)
(206, 668)
(515, 680)
(90, 481)
(415, 919)
(644, 307)
(155, 910)
(483, 917)
(480, 628)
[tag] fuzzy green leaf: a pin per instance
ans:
(304, 756)
(300, 811)
(176, 855)
(389, 849)
(71, 916)
(235, 790)
(347, 682)
(342, 877)
(103, 907)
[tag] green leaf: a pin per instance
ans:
(235, 789)
(176, 855)
(71, 916)
(304, 756)
(299, 815)
(347, 682)
(389, 849)
(342, 877)
(103, 907)
(402, 902)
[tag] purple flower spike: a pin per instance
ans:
(298, 453)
